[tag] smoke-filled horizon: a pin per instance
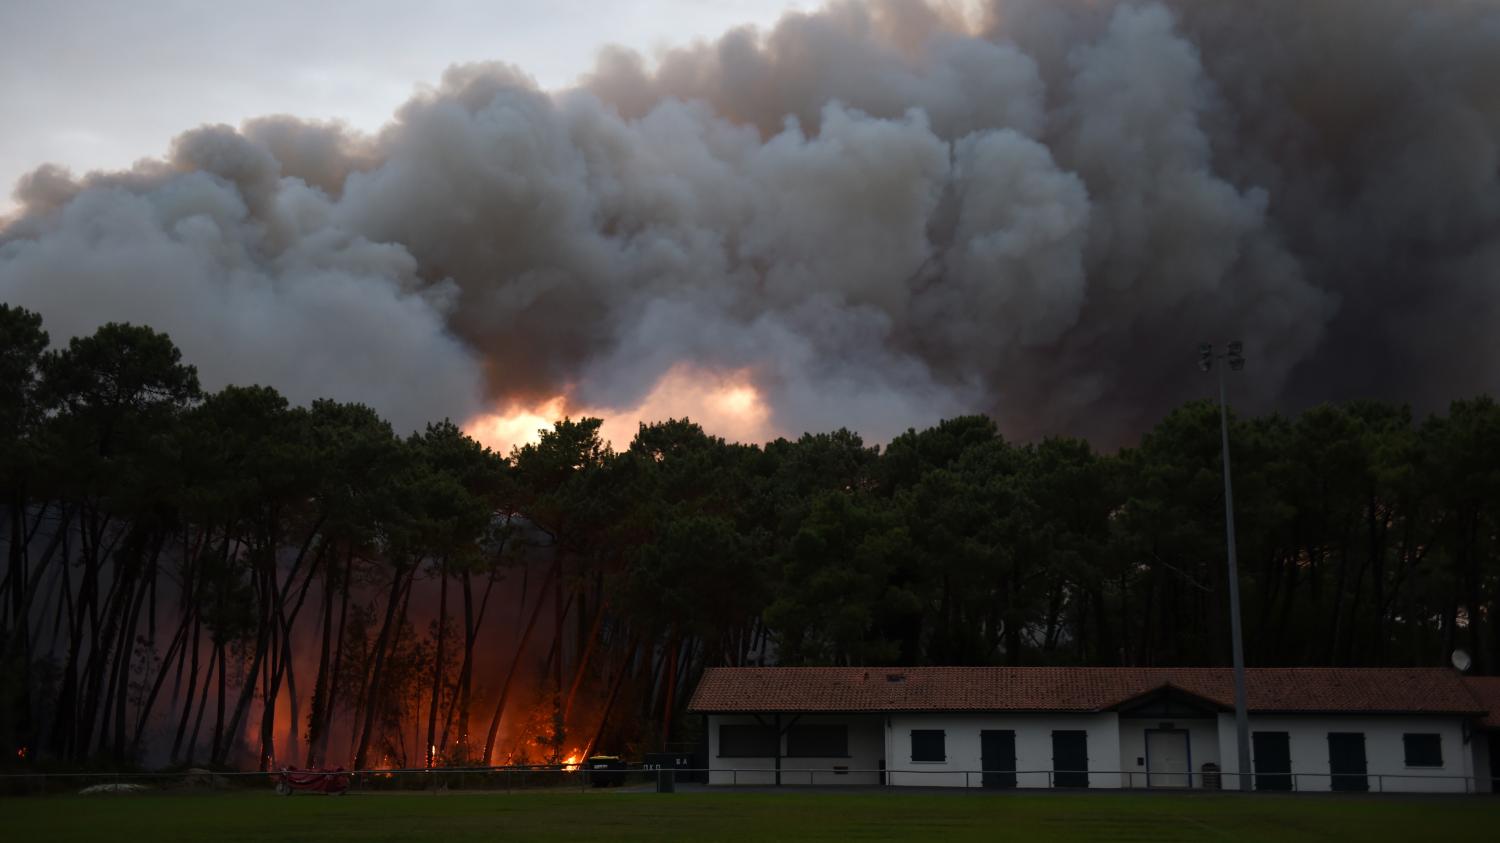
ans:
(872, 216)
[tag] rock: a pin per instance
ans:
(199, 777)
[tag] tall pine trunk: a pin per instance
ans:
(400, 580)
(437, 662)
(510, 675)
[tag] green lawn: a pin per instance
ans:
(615, 815)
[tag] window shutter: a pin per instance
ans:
(928, 745)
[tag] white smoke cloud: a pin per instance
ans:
(882, 212)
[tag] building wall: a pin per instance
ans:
(1385, 752)
(1116, 750)
(866, 750)
(1033, 748)
(1203, 746)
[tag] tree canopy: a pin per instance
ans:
(224, 577)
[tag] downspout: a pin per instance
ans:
(885, 763)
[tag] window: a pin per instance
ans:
(746, 741)
(927, 745)
(1423, 750)
(818, 742)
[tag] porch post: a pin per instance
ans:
(778, 749)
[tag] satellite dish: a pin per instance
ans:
(1461, 660)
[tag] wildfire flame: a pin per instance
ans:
(572, 761)
(518, 424)
(726, 404)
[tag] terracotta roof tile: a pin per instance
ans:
(847, 689)
(1486, 689)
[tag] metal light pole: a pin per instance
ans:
(1236, 360)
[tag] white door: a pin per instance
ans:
(1167, 758)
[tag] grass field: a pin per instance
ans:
(223, 818)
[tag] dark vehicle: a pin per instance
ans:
(605, 770)
(329, 782)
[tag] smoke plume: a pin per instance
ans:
(882, 213)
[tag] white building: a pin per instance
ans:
(1312, 729)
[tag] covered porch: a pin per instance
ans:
(1169, 738)
(792, 748)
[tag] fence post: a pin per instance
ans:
(1049, 779)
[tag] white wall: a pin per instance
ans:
(1114, 745)
(866, 749)
(1203, 745)
(1033, 747)
(1385, 752)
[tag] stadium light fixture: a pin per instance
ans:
(1235, 358)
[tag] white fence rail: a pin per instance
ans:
(1113, 780)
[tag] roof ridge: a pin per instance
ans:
(1078, 688)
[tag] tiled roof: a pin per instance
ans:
(1486, 689)
(850, 689)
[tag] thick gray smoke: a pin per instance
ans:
(887, 212)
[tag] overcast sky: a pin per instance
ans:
(93, 84)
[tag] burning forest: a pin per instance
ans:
(236, 580)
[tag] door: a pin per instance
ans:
(1494, 741)
(1272, 752)
(1070, 759)
(997, 757)
(1167, 760)
(1346, 760)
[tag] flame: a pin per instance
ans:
(517, 424)
(572, 761)
(725, 403)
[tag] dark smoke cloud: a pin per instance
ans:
(888, 212)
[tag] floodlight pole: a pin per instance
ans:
(1241, 709)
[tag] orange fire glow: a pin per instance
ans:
(517, 424)
(726, 404)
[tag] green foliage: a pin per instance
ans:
(22, 342)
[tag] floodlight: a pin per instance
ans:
(1236, 355)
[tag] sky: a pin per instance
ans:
(99, 84)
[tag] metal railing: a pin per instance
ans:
(535, 778)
